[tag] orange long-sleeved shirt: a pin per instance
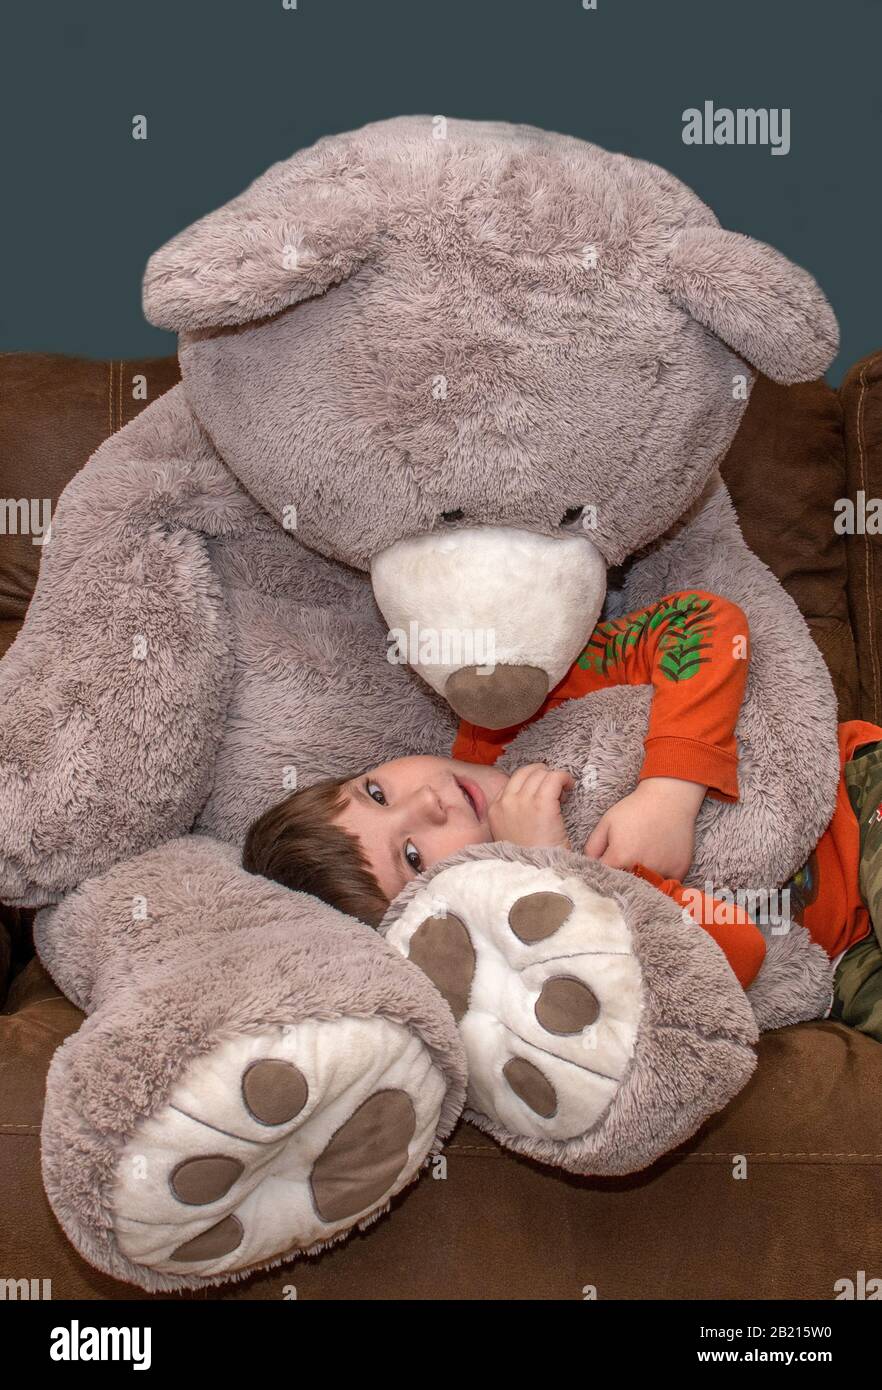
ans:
(834, 913)
(693, 649)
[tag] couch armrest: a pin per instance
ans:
(784, 471)
(861, 396)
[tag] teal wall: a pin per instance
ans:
(227, 88)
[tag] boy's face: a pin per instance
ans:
(409, 813)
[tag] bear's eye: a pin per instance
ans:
(456, 515)
(571, 514)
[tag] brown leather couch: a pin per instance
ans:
(809, 1124)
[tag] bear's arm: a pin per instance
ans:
(112, 697)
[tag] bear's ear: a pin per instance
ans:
(286, 238)
(762, 305)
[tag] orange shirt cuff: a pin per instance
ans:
(692, 761)
(734, 931)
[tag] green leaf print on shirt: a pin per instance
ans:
(688, 621)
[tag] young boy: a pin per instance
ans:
(355, 842)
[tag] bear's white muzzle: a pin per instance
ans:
(491, 617)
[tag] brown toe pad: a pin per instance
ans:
(442, 948)
(566, 1006)
(536, 916)
(533, 1088)
(274, 1091)
(211, 1244)
(205, 1179)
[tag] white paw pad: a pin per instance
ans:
(540, 974)
(273, 1143)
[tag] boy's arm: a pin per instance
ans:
(693, 648)
(731, 927)
(655, 825)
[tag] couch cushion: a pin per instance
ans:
(861, 395)
(808, 1126)
(784, 470)
(16, 943)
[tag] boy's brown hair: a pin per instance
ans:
(296, 843)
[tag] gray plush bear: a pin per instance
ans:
(414, 359)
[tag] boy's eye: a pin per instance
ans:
(413, 857)
(370, 787)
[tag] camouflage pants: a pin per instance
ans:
(857, 984)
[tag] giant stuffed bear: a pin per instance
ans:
(415, 359)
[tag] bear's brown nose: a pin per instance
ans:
(506, 695)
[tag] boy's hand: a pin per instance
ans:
(527, 810)
(654, 826)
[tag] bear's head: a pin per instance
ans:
(483, 363)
